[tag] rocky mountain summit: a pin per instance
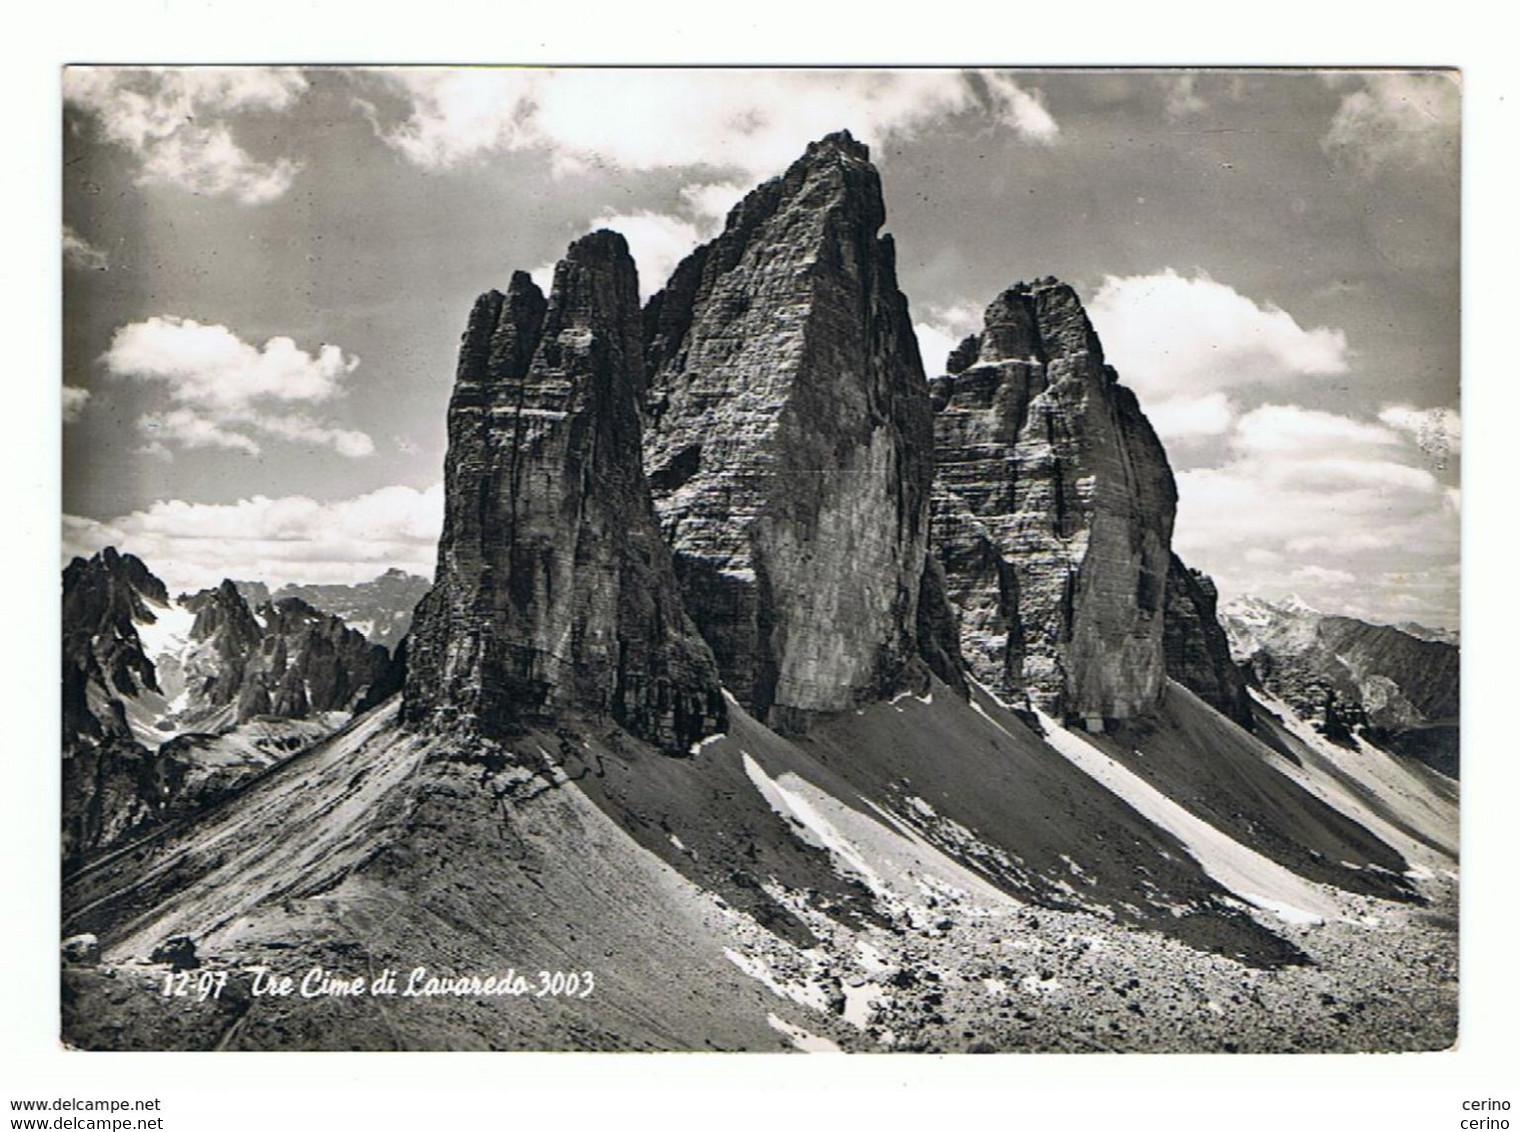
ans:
(1053, 512)
(789, 445)
(1197, 647)
(555, 594)
(380, 608)
(795, 700)
(1350, 677)
(168, 703)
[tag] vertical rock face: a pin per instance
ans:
(789, 442)
(1053, 512)
(1348, 676)
(1197, 648)
(290, 661)
(151, 684)
(105, 598)
(554, 591)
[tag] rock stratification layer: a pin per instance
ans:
(1053, 512)
(789, 442)
(554, 591)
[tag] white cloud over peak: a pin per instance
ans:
(222, 388)
(1398, 120)
(711, 201)
(656, 241)
(276, 540)
(175, 122)
(755, 122)
(1169, 335)
(942, 330)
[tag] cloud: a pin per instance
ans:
(1021, 109)
(221, 387)
(1398, 119)
(751, 122)
(74, 399)
(656, 241)
(1169, 335)
(175, 121)
(1189, 418)
(942, 330)
(1436, 432)
(711, 201)
(301, 428)
(1319, 575)
(210, 365)
(189, 429)
(207, 161)
(1322, 505)
(1290, 430)
(288, 539)
(79, 252)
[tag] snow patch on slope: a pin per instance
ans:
(1256, 879)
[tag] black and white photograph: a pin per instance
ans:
(901, 560)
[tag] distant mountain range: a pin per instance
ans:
(381, 608)
(168, 703)
(1351, 678)
(782, 697)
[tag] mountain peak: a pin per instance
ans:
(554, 595)
(841, 143)
(789, 442)
(1053, 512)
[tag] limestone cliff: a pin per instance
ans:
(1197, 648)
(789, 442)
(1053, 512)
(554, 593)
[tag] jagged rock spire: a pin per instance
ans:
(554, 594)
(1053, 512)
(789, 442)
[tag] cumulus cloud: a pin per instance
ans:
(1169, 335)
(275, 540)
(74, 399)
(79, 252)
(1190, 418)
(222, 387)
(753, 122)
(210, 365)
(1398, 119)
(1322, 505)
(656, 241)
(1291, 430)
(710, 202)
(1437, 432)
(730, 129)
(177, 122)
(185, 428)
(942, 330)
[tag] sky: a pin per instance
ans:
(267, 270)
